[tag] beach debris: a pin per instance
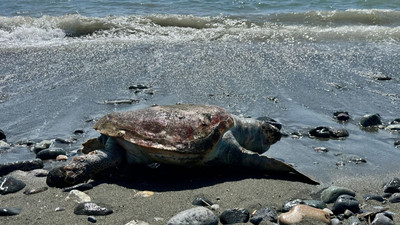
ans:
(24, 165)
(264, 214)
(92, 209)
(30, 191)
(144, 194)
(78, 196)
(370, 120)
(10, 184)
(79, 187)
(201, 201)
(330, 194)
(344, 202)
(341, 116)
(237, 215)
(198, 215)
(44, 144)
(10, 211)
(300, 212)
(393, 186)
(50, 153)
(137, 222)
(328, 132)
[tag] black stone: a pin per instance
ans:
(344, 202)
(371, 120)
(320, 132)
(374, 197)
(79, 131)
(201, 201)
(264, 214)
(20, 165)
(79, 187)
(91, 209)
(138, 87)
(10, 185)
(393, 186)
(397, 143)
(2, 135)
(50, 153)
(92, 219)
(9, 211)
(341, 116)
(395, 198)
(230, 216)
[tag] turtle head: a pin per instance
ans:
(63, 177)
(256, 135)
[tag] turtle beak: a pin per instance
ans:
(57, 177)
(271, 133)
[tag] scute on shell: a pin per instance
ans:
(178, 128)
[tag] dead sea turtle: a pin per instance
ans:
(191, 135)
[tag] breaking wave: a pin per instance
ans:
(315, 26)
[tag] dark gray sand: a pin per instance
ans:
(175, 194)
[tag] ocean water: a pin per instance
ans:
(295, 61)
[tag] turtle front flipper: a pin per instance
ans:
(84, 167)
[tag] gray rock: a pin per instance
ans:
(381, 219)
(395, 198)
(230, 216)
(10, 184)
(50, 153)
(373, 197)
(9, 211)
(198, 215)
(370, 120)
(393, 186)
(265, 213)
(353, 220)
(26, 165)
(330, 194)
(92, 209)
(335, 221)
(344, 202)
(42, 145)
(338, 133)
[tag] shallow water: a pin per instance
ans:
(297, 66)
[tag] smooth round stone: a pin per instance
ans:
(25, 165)
(42, 145)
(341, 116)
(10, 185)
(50, 153)
(264, 214)
(78, 196)
(92, 219)
(61, 158)
(370, 120)
(230, 216)
(395, 198)
(91, 209)
(304, 214)
(335, 221)
(374, 197)
(198, 215)
(344, 202)
(353, 220)
(201, 201)
(381, 219)
(393, 186)
(330, 194)
(9, 211)
(79, 187)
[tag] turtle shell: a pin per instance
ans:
(184, 129)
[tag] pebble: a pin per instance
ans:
(335, 221)
(79, 187)
(92, 219)
(264, 214)
(373, 197)
(230, 216)
(370, 120)
(78, 196)
(79, 131)
(144, 194)
(42, 145)
(201, 201)
(330, 194)
(137, 222)
(61, 158)
(50, 153)
(31, 191)
(393, 186)
(91, 209)
(341, 116)
(10, 184)
(26, 165)
(353, 220)
(198, 215)
(320, 132)
(300, 212)
(381, 219)
(338, 133)
(2, 135)
(395, 198)
(344, 202)
(9, 211)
